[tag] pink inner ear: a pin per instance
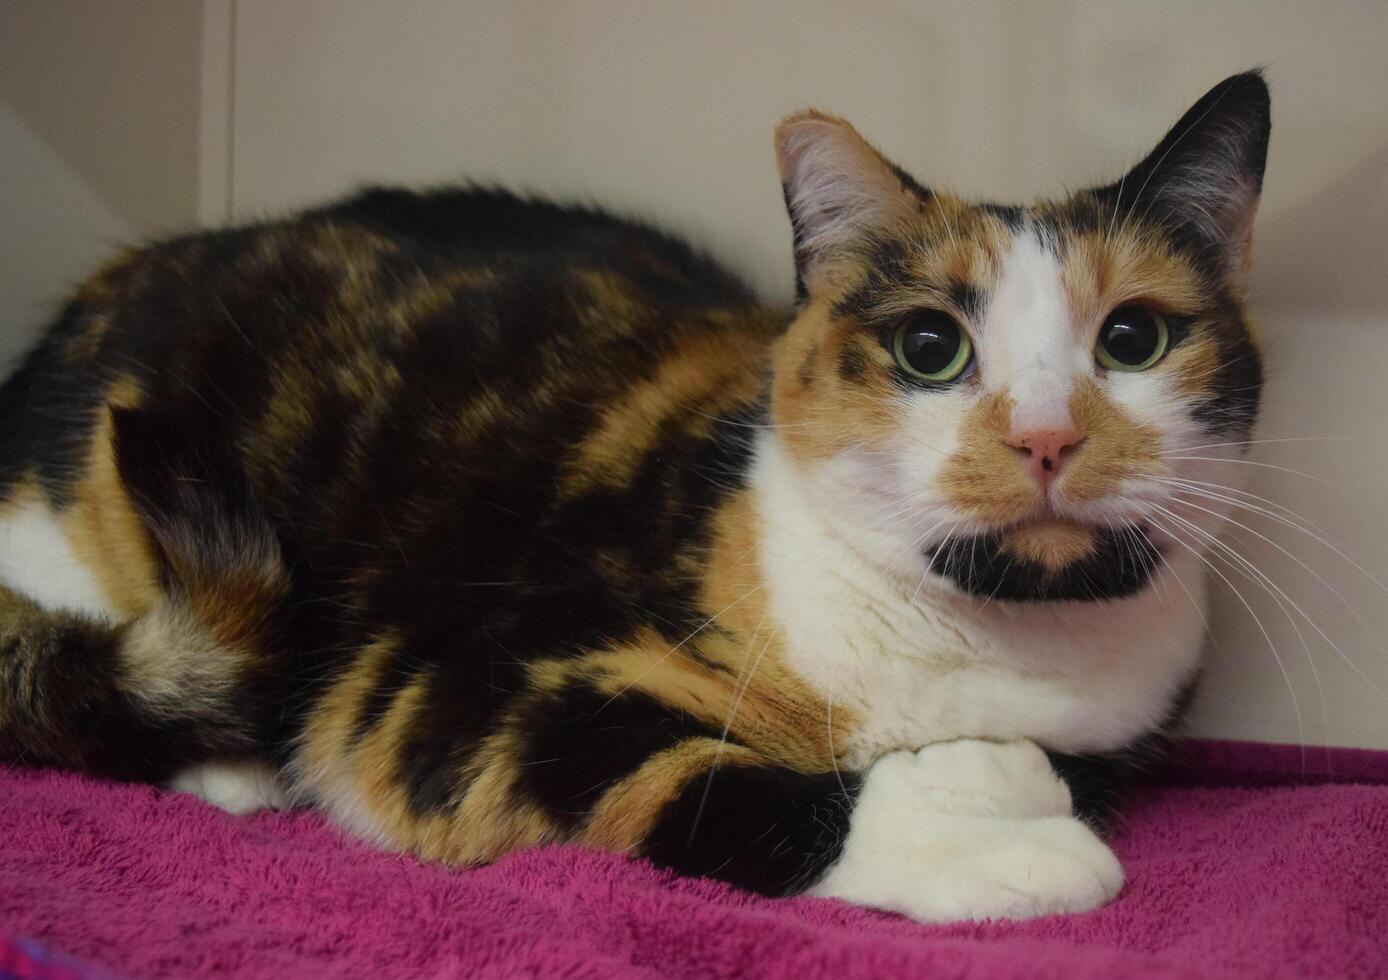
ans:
(838, 187)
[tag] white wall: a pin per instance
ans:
(665, 109)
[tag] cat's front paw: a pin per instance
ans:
(970, 830)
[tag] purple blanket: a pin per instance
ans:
(1252, 864)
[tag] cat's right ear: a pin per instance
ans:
(839, 191)
(1204, 178)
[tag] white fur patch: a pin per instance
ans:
(1027, 342)
(970, 830)
(916, 663)
(236, 787)
(37, 561)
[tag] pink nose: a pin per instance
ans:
(1045, 451)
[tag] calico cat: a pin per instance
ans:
(482, 523)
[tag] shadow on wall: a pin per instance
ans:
(98, 142)
(1326, 252)
(112, 89)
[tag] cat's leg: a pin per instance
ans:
(725, 813)
(970, 830)
(958, 830)
(609, 769)
(961, 830)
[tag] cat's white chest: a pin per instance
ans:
(914, 669)
(1085, 686)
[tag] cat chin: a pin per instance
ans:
(1049, 561)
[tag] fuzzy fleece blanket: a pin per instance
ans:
(1252, 861)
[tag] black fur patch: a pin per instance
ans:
(911, 184)
(887, 263)
(1009, 214)
(48, 405)
(1119, 565)
(1222, 138)
(767, 829)
(582, 742)
(853, 363)
(1236, 388)
(968, 299)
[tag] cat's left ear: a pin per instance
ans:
(1204, 178)
(839, 191)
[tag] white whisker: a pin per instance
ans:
(1258, 442)
(1251, 462)
(728, 725)
(1353, 612)
(1264, 581)
(1272, 647)
(1323, 541)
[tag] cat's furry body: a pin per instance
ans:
(483, 523)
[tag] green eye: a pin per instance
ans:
(931, 345)
(1133, 338)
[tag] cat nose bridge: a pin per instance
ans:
(1043, 431)
(1041, 400)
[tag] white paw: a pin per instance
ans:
(970, 830)
(236, 787)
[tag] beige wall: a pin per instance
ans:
(665, 109)
(98, 141)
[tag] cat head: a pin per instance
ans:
(1010, 399)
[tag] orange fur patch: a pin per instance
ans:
(1099, 273)
(1195, 365)
(1051, 544)
(103, 528)
(627, 812)
(819, 420)
(983, 477)
(707, 374)
(1116, 446)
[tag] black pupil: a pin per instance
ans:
(1130, 335)
(930, 344)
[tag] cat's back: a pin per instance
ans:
(385, 260)
(490, 226)
(398, 366)
(459, 289)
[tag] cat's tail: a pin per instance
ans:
(181, 683)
